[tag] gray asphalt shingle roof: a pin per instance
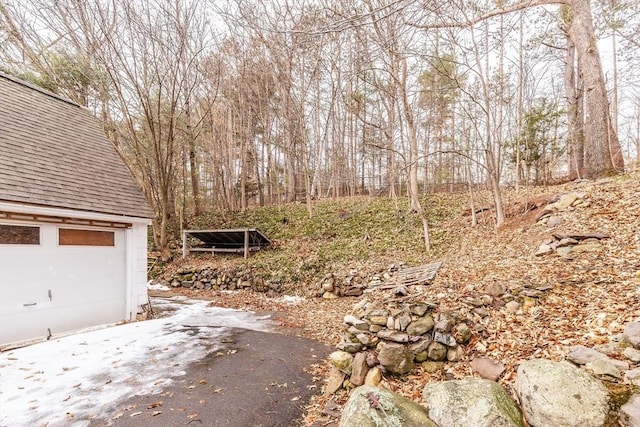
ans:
(55, 153)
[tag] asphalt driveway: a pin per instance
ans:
(258, 380)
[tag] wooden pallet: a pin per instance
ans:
(417, 275)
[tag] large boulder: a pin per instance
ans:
(560, 394)
(471, 402)
(396, 358)
(370, 406)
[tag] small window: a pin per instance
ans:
(70, 236)
(19, 235)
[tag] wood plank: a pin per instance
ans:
(76, 237)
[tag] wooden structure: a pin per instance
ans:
(235, 240)
(419, 275)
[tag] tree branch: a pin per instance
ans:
(490, 14)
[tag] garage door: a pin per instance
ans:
(56, 279)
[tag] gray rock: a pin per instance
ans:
(581, 355)
(564, 251)
(496, 289)
(349, 347)
(631, 329)
(375, 328)
(334, 381)
(328, 286)
(419, 309)
(566, 200)
(391, 322)
(632, 334)
(455, 354)
(395, 358)
(587, 247)
(353, 330)
(437, 351)
(420, 345)
(560, 394)
(372, 359)
(391, 335)
(370, 406)
(603, 369)
(544, 250)
(421, 326)
(554, 221)
(481, 311)
(359, 369)
(403, 322)
(632, 354)
(378, 320)
(512, 306)
(475, 301)
(487, 368)
(471, 402)
(359, 324)
(341, 360)
(443, 325)
(368, 340)
(633, 377)
(462, 333)
(630, 412)
(374, 376)
(445, 339)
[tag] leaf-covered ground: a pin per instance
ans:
(587, 297)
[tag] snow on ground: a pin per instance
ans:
(292, 299)
(157, 287)
(70, 380)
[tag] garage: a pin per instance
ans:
(73, 221)
(61, 286)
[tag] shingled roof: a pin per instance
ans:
(54, 153)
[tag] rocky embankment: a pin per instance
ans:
(545, 393)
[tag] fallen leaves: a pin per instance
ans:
(582, 299)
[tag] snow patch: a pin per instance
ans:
(292, 299)
(70, 380)
(157, 287)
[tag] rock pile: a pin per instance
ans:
(220, 279)
(550, 394)
(333, 285)
(393, 339)
(548, 214)
(564, 244)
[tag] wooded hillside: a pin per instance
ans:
(225, 105)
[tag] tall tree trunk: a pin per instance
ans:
(602, 153)
(575, 143)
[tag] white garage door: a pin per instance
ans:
(56, 279)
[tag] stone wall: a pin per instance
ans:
(395, 337)
(215, 279)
